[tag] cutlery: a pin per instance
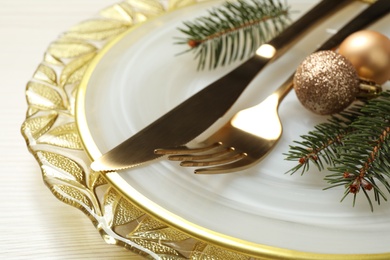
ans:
(253, 132)
(192, 117)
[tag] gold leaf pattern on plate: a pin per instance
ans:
(74, 70)
(65, 136)
(212, 252)
(96, 35)
(43, 96)
(65, 48)
(97, 25)
(47, 74)
(121, 12)
(126, 212)
(65, 164)
(162, 234)
(72, 196)
(52, 136)
(39, 125)
(160, 249)
(97, 30)
(174, 4)
(95, 179)
(147, 7)
(49, 59)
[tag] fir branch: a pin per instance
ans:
(233, 31)
(355, 146)
(364, 158)
(319, 147)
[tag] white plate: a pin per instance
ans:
(139, 77)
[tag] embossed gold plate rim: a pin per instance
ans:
(230, 243)
(50, 134)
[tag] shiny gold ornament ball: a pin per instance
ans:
(326, 82)
(369, 52)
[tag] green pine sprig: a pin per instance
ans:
(319, 147)
(233, 31)
(354, 147)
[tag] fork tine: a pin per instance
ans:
(227, 168)
(192, 157)
(186, 150)
(227, 160)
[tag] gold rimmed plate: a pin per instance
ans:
(140, 76)
(162, 209)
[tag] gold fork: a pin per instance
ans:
(252, 133)
(243, 141)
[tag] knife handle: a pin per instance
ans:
(323, 9)
(281, 43)
(376, 10)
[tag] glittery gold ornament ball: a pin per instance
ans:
(369, 52)
(326, 82)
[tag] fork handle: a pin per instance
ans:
(374, 12)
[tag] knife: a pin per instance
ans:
(192, 117)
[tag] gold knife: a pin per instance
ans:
(192, 117)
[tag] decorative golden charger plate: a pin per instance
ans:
(52, 137)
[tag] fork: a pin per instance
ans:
(252, 133)
(238, 144)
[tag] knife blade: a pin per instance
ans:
(192, 117)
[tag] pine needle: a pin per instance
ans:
(233, 31)
(355, 147)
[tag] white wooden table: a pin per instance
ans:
(34, 224)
